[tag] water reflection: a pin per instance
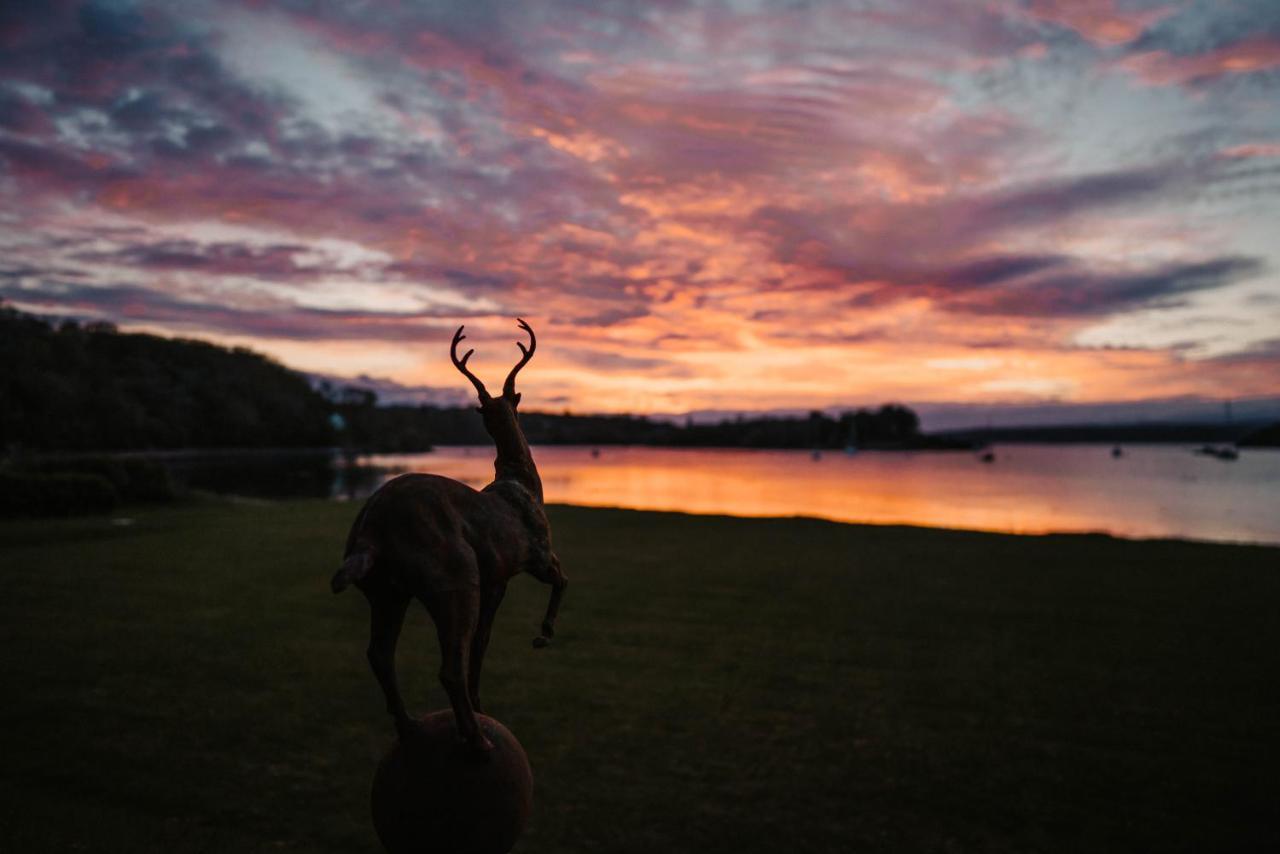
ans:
(277, 474)
(1148, 491)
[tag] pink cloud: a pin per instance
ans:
(1161, 68)
(696, 184)
(1251, 150)
(1099, 21)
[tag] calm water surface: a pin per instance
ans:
(1152, 491)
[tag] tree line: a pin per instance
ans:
(405, 428)
(81, 387)
(68, 386)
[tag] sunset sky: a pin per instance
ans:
(696, 204)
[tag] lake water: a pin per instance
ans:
(1151, 491)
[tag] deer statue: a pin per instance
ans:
(431, 538)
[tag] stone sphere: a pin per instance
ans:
(432, 794)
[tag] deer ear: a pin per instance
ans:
(480, 409)
(515, 400)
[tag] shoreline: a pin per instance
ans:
(128, 516)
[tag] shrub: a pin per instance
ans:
(35, 494)
(149, 480)
(133, 479)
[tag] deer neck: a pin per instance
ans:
(515, 462)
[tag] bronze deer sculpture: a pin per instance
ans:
(431, 538)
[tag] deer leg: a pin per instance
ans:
(456, 613)
(556, 578)
(386, 616)
(489, 603)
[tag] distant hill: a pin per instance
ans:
(1185, 409)
(74, 387)
(1194, 431)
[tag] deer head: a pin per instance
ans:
(499, 413)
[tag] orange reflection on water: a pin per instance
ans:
(1152, 491)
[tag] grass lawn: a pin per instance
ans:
(188, 683)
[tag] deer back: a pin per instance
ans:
(426, 533)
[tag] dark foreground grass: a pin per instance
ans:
(188, 683)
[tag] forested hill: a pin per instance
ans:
(89, 387)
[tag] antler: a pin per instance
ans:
(509, 387)
(461, 364)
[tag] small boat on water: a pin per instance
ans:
(987, 456)
(1117, 452)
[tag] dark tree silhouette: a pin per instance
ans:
(90, 387)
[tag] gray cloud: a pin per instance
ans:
(1083, 293)
(123, 302)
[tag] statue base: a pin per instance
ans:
(435, 795)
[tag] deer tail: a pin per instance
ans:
(355, 567)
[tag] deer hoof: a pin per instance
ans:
(539, 642)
